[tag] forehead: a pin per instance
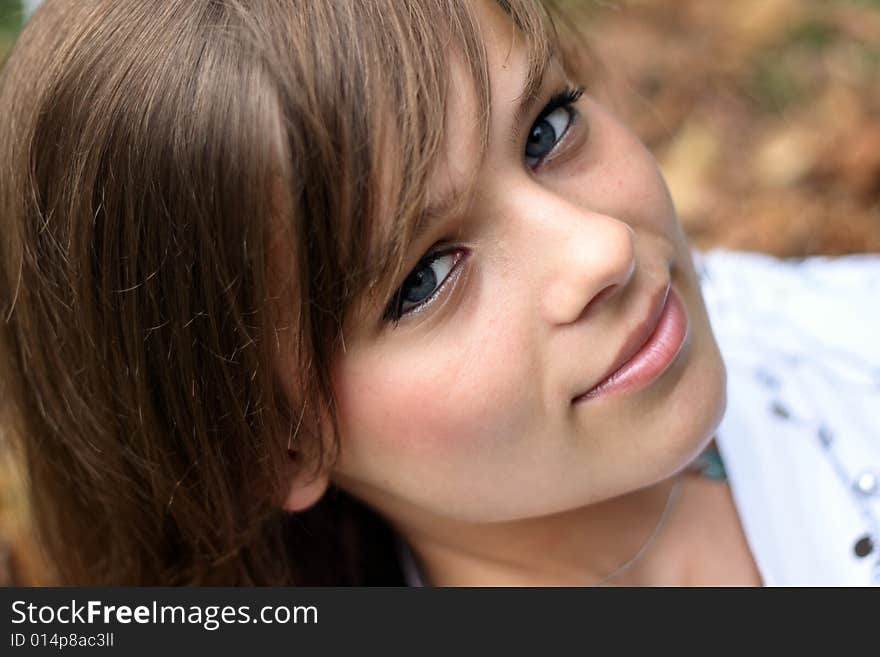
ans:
(471, 123)
(515, 52)
(433, 145)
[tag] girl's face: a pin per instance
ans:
(520, 300)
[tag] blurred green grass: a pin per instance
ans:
(10, 23)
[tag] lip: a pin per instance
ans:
(649, 350)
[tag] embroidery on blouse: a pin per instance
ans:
(847, 370)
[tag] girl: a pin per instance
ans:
(377, 293)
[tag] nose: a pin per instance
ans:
(596, 255)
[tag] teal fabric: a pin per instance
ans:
(710, 464)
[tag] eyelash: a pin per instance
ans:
(394, 311)
(562, 99)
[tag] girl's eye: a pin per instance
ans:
(546, 133)
(423, 283)
(551, 126)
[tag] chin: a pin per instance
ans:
(691, 401)
(701, 402)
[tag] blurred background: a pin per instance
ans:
(763, 114)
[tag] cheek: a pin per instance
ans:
(448, 400)
(640, 193)
(615, 174)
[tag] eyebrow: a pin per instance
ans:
(440, 211)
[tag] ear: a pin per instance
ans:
(306, 488)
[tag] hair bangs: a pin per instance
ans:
(366, 127)
(420, 121)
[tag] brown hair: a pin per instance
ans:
(155, 158)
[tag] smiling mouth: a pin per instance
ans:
(649, 350)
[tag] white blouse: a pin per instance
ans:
(800, 439)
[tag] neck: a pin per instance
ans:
(581, 547)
